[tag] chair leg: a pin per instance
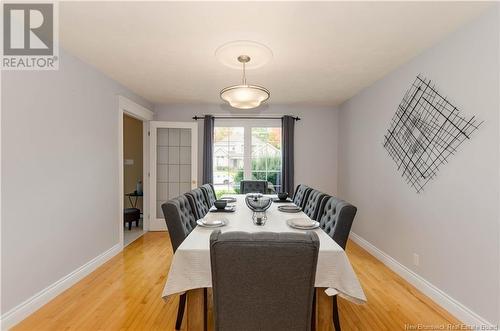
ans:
(130, 225)
(313, 315)
(205, 308)
(336, 321)
(180, 311)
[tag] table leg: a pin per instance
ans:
(324, 306)
(195, 310)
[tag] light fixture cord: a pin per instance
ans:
(244, 75)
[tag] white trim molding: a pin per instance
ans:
(130, 108)
(457, 309)
(134, 109)
(29, 306)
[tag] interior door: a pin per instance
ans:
(173, 165)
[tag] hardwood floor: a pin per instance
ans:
(124, 294)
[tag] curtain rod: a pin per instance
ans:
(247, 117)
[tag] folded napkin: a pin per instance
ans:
(302, 222)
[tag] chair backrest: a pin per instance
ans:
(210, 195)
(198, 202)
(253, 186)
(313, 203)
(264, 280)
(180, 219)
(335, 218)
(301, 193)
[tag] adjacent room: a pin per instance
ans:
(133, 216)
(266, 165)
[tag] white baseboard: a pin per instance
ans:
(457, 309)
(26, 308)
(157, 225)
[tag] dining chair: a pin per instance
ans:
(300, 196)
(181, 220)
(312, 204)
(264, 280)
(253, 186)
(198, 202)
(335, 218)
(210, 194)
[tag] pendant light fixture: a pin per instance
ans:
(244, 96)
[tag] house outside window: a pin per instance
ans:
(246, 149)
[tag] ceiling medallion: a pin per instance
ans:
(228, 53)
(244, 96)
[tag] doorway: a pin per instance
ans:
(133, 162)
(133, 156)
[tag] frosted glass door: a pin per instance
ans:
(175, 172)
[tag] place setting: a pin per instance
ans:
(223, 206)
(302, 223)
(212, 222)
(282, 198)
(229, 199)
(290, 209)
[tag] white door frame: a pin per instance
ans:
(130, 108)
(157, 224)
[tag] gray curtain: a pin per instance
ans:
(287, 134)
(208, 149)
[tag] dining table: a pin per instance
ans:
(190, 270)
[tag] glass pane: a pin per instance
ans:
(228, 159)
(173, 165)
(266, 156)
(259, 175)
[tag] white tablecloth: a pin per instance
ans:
(190, 268)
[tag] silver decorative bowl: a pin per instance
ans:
(258, 204)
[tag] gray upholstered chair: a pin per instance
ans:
(210, 195)
(263, 281)
(253, 186)
(335, 217)
(312, 204)
(301, 193)
(180, 220)
(198, 202)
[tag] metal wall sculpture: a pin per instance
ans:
(424, 132)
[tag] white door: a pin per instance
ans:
(173, 165)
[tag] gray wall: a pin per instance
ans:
(453, 224)
(315, 138)
(59, 174)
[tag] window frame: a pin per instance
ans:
(247, 125)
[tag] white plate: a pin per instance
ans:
(289, 209)
(217, 223)
(290, 222)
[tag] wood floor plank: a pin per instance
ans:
(125, 294)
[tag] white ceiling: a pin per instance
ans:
(324, 52)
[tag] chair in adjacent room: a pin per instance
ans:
(335, 218)
(300, 196)
(210, 194)
(181, 220)
(253, 186)
(198, 202)
(252, 278)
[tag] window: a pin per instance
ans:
(246, 150)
